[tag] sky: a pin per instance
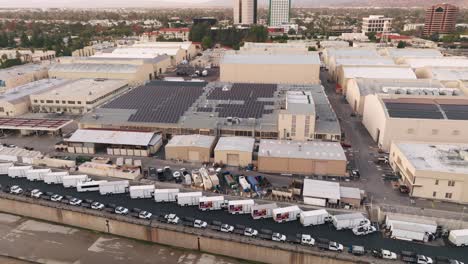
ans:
(93, 3)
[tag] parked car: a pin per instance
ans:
(364, 230)
(145, 215)
(172, 219)
(120, 210)
(15, 189)
(75, 201)
(226, 228)
(384, 254)
(97, 206)
(36, 193)
(56, 198)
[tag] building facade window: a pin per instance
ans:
(448, 195)
(434, 194)
(451, 183)
(436, 182)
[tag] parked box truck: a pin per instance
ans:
(165, 195)
(286, 214)
(141, 191)
(4, 168)
(230, 181)
(211, 203)
(207, 184)
(240, 206)
(260, 211)
(37, 175)
(459, 237)
(188, 198)
(73, 180)
(253, 183)
(244, 184)
(315, 217)
(89, 186)
(18, 172)
(55, 177)
(113, 187)
(349, 221)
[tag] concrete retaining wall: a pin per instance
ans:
(189, 238)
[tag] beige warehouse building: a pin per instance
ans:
(188, 47)
(432, 170)
(276, 48)
(335, 62)
(360, 88)
(176, 54)
(234, 151)
(280, 69)
(302, 157)
(77, 96)
(134, 74)
(394, 118)
(449, 76)
(193, 148)
(22, 74)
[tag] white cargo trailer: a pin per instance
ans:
(211, 203)
(260, 211)
(4, 168)
(286, 214)
(459, 237)
(18, 172)
(55, 177)
(349, 221)
(37, 175)
(240, 206)
(73, 180)
(141, 191)
(113, 187)
(89, 186)
(315, 217)
(244, 184)
(188, 198)
(165, 195)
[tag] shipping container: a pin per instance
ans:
(211, 203)
(141, 191)
(240, 206)
(37, 175)
(165, 195)
(315, 217)
(4, 168)
(188, 198)
(459, 237)
(114, 187)
(18, 172)
(55, 177)
(260, 211)
(286, 214)
(89, 186)
(73, 180)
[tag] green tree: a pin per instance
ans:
(312, 49)
(372, 36)
(401, 44)
(207, 42)
(292, 31)
(25, 40)
(199, 31)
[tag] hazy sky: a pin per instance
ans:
(92, 3)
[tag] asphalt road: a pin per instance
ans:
(291, 228)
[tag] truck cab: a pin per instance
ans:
(278, 237)
(305, 239)
(387, 254)
(250, 232)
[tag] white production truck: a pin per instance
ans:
(459, 237)
(286, 214)
(349, 221)
(260, 211)
(89, 186)
(4, 167)
(37, 175)
(244, 184)
(315, 217)
(113, 187)
(240, 206)
(206, 203)
(55, 177)
(73, 180)
(141, 191)
(188, 198)
(165, 195)
(18, 172)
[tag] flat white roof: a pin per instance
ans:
(183, 45)
(460, 232)
(378, 72)
(372, 86)
(24, 91)
(187, 194)
(350, 192)
(349, 216)
(115, 137)
(95, 67)
(317, 150)
(408, 52)
(211, 198)
(300, 102)
(314, 212)
(352, 52)
(437, 62)
(364, 61)
(235, 144)
(310, 58)
(166, 190)
(321, 189)
(16, 71)
(142, 187)
(286, 209)
(191, 141)
(449, 74)
(436, 157)
(134, 51)
(410, 219)
(82, 88)
(236, 202)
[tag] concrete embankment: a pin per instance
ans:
(177, 236)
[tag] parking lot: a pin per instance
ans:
(375, 240)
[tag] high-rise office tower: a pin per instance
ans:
(440, 18)
(245, 12)
(279, 12)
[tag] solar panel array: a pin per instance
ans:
(159, 102)
(455, 112)
(411, 110)
(249, 94)
(32, 123)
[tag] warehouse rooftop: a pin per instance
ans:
(427, 108)
(352, 52)
(449, 74)
(449, 158)
(114, 137)
(317, 150)
(310, 58)
(95, 67)
(397, 86)
(364, 61)
(201, 141)
(300, 102)
(408, 52)
(437, 62)
(23, 92)
(321, 189)
(15, 71)
(378, 72)
(235, 144)
(88, 88)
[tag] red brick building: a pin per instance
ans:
(440, 18)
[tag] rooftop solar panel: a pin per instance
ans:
(412, 110)
(455, 112)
